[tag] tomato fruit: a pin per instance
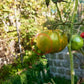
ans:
(76, 42)
(82, 34)
(52, 41)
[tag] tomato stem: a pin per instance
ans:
(59, 12)
(69, 46)
(60, 16)
(71, 63)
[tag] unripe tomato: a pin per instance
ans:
(82, 34)
(52, 41)
(76, 42)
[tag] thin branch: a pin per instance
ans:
(6, 27)
(17, 28)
